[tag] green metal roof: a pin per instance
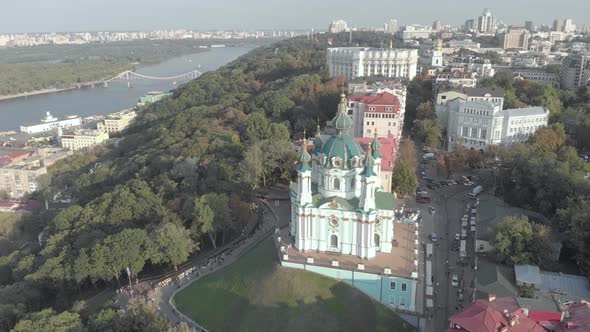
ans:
(341, 146)
(348, 205)
(304, 159)
(369, 164)
(384, 201)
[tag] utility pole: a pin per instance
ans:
(130, 286)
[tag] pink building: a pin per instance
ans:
(380, 113)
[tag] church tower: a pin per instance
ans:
(369, 182)
(437, 56)
(304, 175)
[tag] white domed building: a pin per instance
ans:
(343, 224)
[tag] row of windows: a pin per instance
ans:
(402, 300)
(528, 128)
(474, 132)
(529, 120)
(393, 285)
(336, 183)
(474, 120)
(476, 112)
(376, 243)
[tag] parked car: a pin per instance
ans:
(430, 186)
(432, 209)
(433, 237)
(468, 183)
(455, 280)
(457, 236)
(423, 199)
(421, 191)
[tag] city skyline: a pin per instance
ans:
(133, 15)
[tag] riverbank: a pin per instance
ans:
(35, 93)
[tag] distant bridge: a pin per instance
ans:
(129, 76)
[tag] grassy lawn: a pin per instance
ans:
(256, 294)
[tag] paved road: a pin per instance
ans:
(449, 204)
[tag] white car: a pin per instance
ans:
(457, 236)
(468, 184)
(433, 237)
(455, 280)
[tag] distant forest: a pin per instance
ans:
(27, 69)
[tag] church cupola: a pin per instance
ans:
(317, 141)
(342, 122)
(376, 146)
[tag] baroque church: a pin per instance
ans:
(338, 203)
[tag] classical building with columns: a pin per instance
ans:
(343, 220)
(353, 62)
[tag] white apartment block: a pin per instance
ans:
(353, 62)
(381, 113)
(83, 139)
(20, 179)
(443, 97)
(479, 124)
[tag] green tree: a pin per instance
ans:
(48, 320)
(425, 111)
(520, 242)
(404, 178)
(203, 220)
(429, 132)
(171, 244)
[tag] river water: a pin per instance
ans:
(117, 96)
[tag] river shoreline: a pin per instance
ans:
(35, 93)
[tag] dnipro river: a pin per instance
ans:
(117, 96)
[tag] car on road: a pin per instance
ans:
(422, 174)
(468, 184)
(430, 186)
(457, 236)
(432, 209)
(455, 280)
(423, 199)
(421, 191)
(433, 237)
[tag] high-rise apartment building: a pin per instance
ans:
(529, 26)
(338, 26)
(486, 23)
(391, 26)
(569, 26)
(557, 25)
(515, 38)
(575, 71)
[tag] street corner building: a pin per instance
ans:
(343, 221)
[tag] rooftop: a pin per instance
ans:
(528, 273)
(526, 111)
(496, 279)
(388, 150)
(483, 92)
(379, 100)
(400, 260)
(494, 315)
(573, 286)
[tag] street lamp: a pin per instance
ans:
(130, 286)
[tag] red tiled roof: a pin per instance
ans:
(388, 150)
(544, 316)
(579, 318)
(380, 101)
(485, 316)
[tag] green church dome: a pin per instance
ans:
(343, 148)
(342, 121)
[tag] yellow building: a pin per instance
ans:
(83, 139)
(117, 122)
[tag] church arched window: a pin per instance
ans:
(334, 241)
(376, 240)
(353, 183)
(336, 184)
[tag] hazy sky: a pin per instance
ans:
(82, 15)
